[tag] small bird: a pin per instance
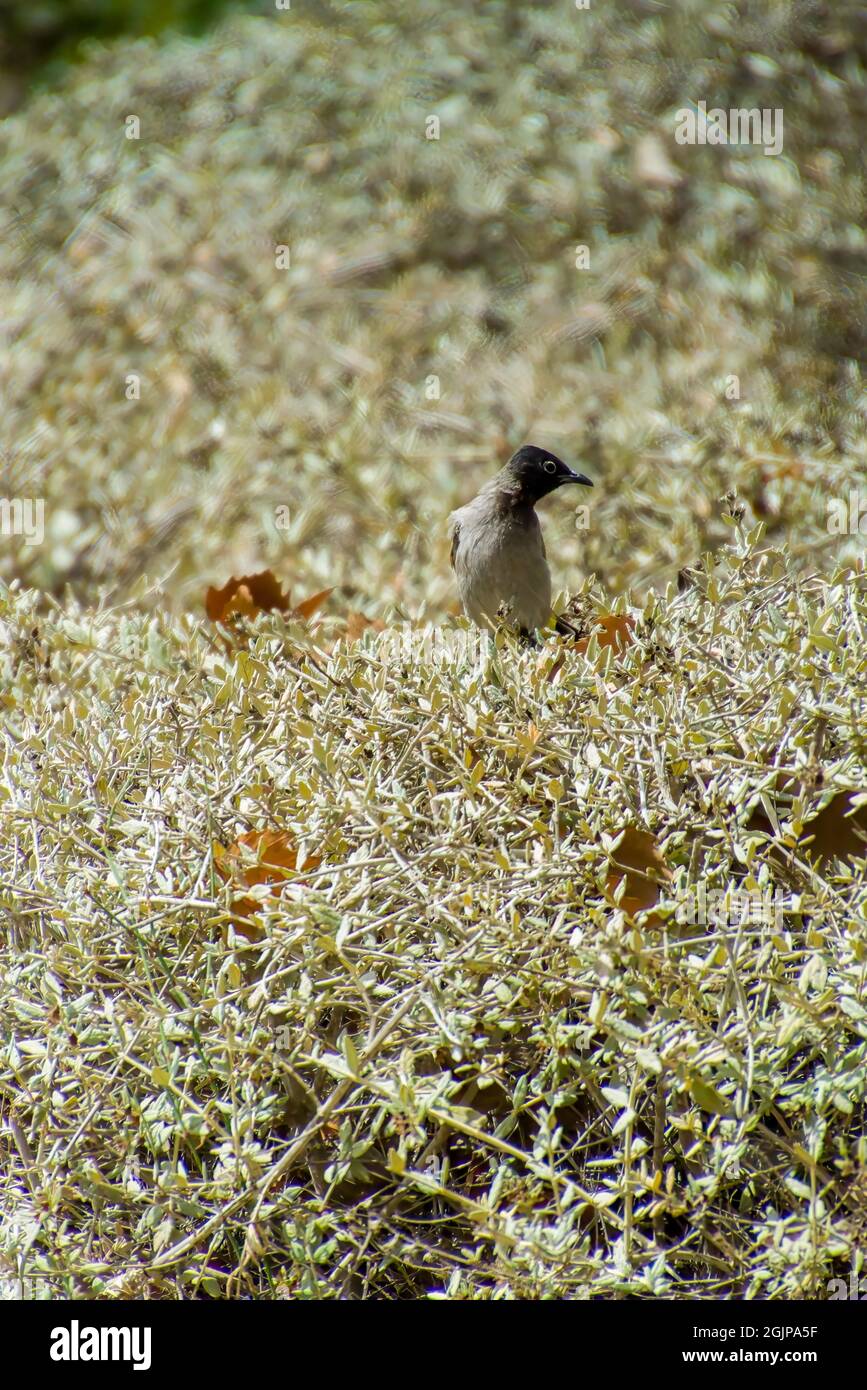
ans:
(498, 554)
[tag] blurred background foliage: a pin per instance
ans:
(36, 39)
(421, 266)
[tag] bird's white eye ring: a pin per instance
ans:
(549, 466)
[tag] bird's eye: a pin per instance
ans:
(549, 466)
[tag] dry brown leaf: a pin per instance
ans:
(357, 623)
(837, 832)
(252, 593)
(638, 859)
(612, 630)
(258, 857)
(244, 919)
(555, 670)
(308, 606)
(258, 593)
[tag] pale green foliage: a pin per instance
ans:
(463, 1059)
(453, 1063)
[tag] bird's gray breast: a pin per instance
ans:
(499, 558)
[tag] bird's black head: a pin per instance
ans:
(536, 472)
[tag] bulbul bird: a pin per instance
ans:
(498, 554)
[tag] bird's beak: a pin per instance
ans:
(573, 477)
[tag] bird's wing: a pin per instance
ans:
(455, 528)
(565, 628)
